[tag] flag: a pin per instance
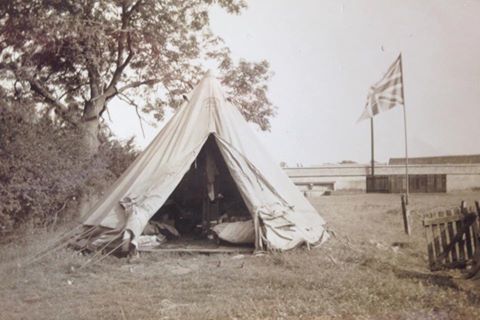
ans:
(387, 93)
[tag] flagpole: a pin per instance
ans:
(405, 127)
(373, 150)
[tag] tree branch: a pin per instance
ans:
(131, 102)
(121, 65)
(72, 90)
(60, 108)
(134, 8)
(137, 84)
(38, 88)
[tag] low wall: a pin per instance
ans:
(332, 182)
(463, 182)
(353, 177)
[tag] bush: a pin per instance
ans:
(44, 170)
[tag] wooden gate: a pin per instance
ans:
(453, 238)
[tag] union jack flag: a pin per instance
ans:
(387, 93)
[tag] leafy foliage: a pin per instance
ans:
(247, 85)
(44, 170)
(76, 56)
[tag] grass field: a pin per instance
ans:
(368, 270)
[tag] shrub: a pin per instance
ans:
(44, 170)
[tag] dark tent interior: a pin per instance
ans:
(206, 196)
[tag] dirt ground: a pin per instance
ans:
(368, 270)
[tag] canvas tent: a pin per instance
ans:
(207, 128)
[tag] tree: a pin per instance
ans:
(73, 57)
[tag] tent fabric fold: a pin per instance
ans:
(285, 218)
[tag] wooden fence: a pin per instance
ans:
(453, 238)
(418, 183)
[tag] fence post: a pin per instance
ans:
(406, 215)
(463, 207)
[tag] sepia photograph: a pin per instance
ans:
(240, 159)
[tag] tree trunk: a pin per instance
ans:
(91, 125)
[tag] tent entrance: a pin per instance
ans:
(205, 201)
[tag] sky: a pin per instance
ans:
(325, 55)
